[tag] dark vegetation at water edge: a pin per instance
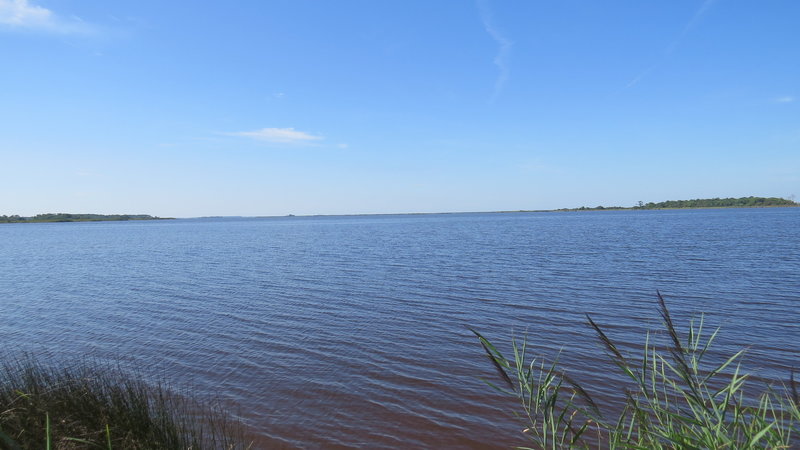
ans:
(95, 406)
(673, 397)
(65, 217)
(742, 202)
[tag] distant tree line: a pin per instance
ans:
(65, 217)
(743, 202)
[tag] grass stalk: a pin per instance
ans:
(674, 397)
(96, 406)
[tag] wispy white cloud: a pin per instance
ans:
(785, 99)
(674, 44)
(19, 15)
(689, 25)
(501, 60)
(279, 135)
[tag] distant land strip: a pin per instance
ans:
(700, 203)
(64, 217)
(742, 202)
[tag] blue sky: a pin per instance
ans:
(200, 108)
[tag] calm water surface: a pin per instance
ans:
(350, 331)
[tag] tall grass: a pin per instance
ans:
(674, 397)
(97, 406)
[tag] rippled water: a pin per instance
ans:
(350, 331)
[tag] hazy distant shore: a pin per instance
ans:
(712, 203)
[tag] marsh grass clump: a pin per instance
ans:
(98, 406)
(674, 397)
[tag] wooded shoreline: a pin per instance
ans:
(65, 217)
(700, 203)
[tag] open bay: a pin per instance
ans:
(350, 331)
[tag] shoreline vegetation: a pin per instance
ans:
(672, 396)
(90, 404)
(700, 203)
(66, 217)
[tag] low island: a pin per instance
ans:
(742, 202)
(65, 217)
